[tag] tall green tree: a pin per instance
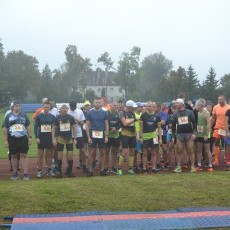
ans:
(192, 83)
(129, 71)
(23, 74)
(153, 68)
(107, 62)
(4, 92)
(75, 70)
(46, 86)
(169, 87)
(225, 85)
(209, 89)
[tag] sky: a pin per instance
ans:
(186, 31)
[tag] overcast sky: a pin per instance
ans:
(186, 31)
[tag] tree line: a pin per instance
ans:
(152, 78)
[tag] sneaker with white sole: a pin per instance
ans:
(39, 174)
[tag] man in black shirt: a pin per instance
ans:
(184, 126)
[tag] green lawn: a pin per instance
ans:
(114, 193)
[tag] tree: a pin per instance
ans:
(169, 87)
(23, 75)
(129, 71)
(192, 83)
(4, 93)
(209, 88)
(105, 60)
(46, 87)
(225, 85)
(75, 70)
(154, 67)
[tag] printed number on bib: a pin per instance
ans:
(200, 128)
(183, 120)
(128, 120)
(45, 128)
(65, 127)
(155, 141)
(17, 128)
(222, 132)
(97, 134)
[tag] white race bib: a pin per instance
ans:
(64, 127)
(84, 126)
(97, 134)
(170, 131)
(155, 141)
(183, 120)
(17, 128)
(222, 132)
(200, 128)
(45, 128)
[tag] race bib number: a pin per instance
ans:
(45, 128)
(183, 120)
(170, 131)
(84, 126)
(17, 128)
(97, 134)
(128, 120)
(155, 141)
(222, 132)
(200, 128)
(65, 127)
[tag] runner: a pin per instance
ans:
(164, 128)
(97, 129)
(112, 146)
(17, 137)
(79, 119)
(218, 118)
(150, 121)
(138, 147)
(86, 107)
(128, 137)
(184, 126)
(227, 139)
(62, 136)
(43, 134)
(203, 134)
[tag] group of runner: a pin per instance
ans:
(149, 136)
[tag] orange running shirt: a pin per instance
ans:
(38, 111)
(219, 112)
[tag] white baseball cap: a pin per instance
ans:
(131, 103)
(179, 100)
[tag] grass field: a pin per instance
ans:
(133, 193)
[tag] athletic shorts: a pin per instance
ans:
(80, 143)
(217, 135)
(184, 136)
(60, 147)
(18, 145)
(45, 142)
(128, 142)
(149, 144)
(201, 140)
(97, 142)
(113, 142)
